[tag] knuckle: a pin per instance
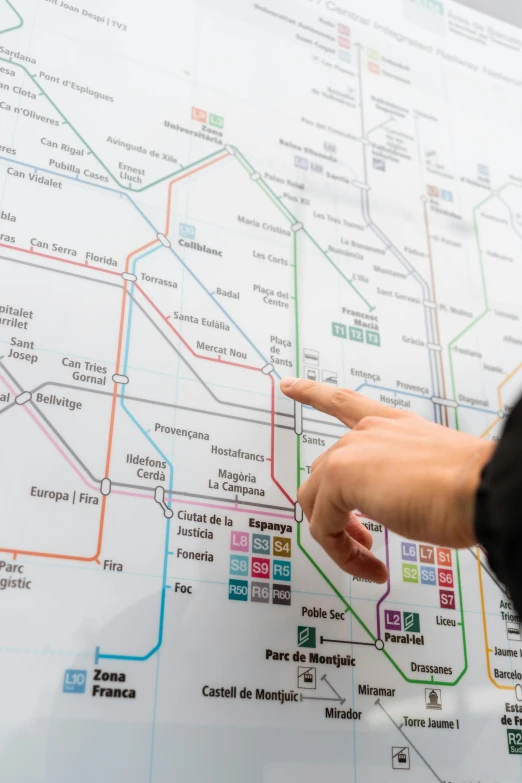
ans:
(304, 498)
(315, 464)
(351, 557)
(402, 414)
(341, 396)
(369, 422)
(337, 463)
(314, 532)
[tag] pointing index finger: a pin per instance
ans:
(346, 405)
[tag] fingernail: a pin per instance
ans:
(286, 383)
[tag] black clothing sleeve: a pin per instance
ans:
(498, 519)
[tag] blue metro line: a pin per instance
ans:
(98, 655)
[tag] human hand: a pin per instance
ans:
(417, 478)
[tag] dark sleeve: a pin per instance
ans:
(498, 521)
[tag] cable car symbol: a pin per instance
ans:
(401, 758)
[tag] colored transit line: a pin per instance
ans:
(15, 26)
(488, 650)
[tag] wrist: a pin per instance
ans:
(466, 487)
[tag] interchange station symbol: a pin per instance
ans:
(306, 636)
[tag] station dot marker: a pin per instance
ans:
(168, 513)
(379, 644)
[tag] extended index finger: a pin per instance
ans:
(346, 405)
